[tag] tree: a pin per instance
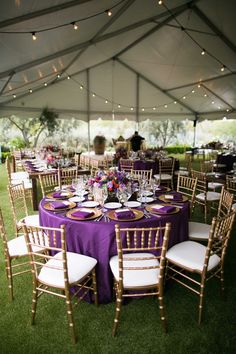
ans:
(32, 128)
(164, 132)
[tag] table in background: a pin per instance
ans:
(226, 159)
(97, 239)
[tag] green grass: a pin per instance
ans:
(140, 330)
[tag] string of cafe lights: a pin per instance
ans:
(118, 106)
(74, 24)
(203, 51)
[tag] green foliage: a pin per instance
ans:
(178, 149)
(48, 119)
(18, 142)
(4, 155)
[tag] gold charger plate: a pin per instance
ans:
(150, 210)
(97, 213)
(164, 199)
(48, 206)
(166, 189)
(138, 215)
(69, 195)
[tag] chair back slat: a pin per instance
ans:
(48, 182)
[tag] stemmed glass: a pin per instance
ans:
(101, 195)
(122, 195)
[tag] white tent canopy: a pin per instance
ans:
(144, 61)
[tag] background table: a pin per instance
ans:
(226, 159)
(97, 239)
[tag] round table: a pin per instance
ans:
(97, 239)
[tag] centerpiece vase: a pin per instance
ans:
(111, 197)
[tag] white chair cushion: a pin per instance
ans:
(210, 196)
(234, 206)
(136, 278)
(78, 267)
(198, 230)
(26, 182)
(29, 220)
(17, 246)
(182, 173)
(163, 176)
(19, 175)
(191, 255)
(214, 185)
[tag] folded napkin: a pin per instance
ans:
(60, 194)
(160, 189)
(177, 197)
(59, 205)
(124, 214)
(82, 213)
(163, 208)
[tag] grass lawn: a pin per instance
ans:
(140, 329)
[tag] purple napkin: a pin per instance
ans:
(177, 197)
(124, 214)
(160, 189)
(60, 195)
(82, 213)
(58, 205)
(164, 209)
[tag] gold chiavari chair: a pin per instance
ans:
(14, 250)
(204, 197)
(207, 167)
(200, 231)
(142, 175)
(48, 183)
(189, 259)
(126, 165)
(19, 207)
(66, 175)
(166, 172)
(185, 170)
(187, 186)
(139, 265)
(231, 187)
(56, 271)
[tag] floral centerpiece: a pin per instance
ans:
(112, 180)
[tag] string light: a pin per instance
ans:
(160, 2)
(222, 68)
(75, 26)
(199, 85)
(119, 105)
(203, 52)
(68, 77)
(184, 97)
(109, 13)
(34, 37)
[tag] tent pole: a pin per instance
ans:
(194, 130)
(88, 107)
(137, 100)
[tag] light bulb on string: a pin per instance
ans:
(30, 90)
(68, 77)
(205, 95)
(58, 76)
(160, 2)
(106, 101)
(119, 106)
(184, 97)
(175, 102)
(34, 37)
(45, 84)
(14, 96)
(143, 109)
(199, 85)
(222, 68)
(193, 91)
(75, 26)
(132, 108)
(93, 94)
(203, 52)
(154, 108)
(165, 106)
(212, 102)
(109, 12)
(81, 87)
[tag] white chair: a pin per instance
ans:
(139, 265)
(19, 207)
(192, 264)
(57, 271)
(200, 231)
(166, 172)
(14, 250)
(203, 196)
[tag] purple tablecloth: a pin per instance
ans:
(97, 239)
(150, 164)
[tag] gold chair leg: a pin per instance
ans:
(162, 311)
(34, 303)
(94, 279)
(70, 317)
(118, 310)
(202, 286)
(9, 279)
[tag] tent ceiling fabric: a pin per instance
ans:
(143, 62)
